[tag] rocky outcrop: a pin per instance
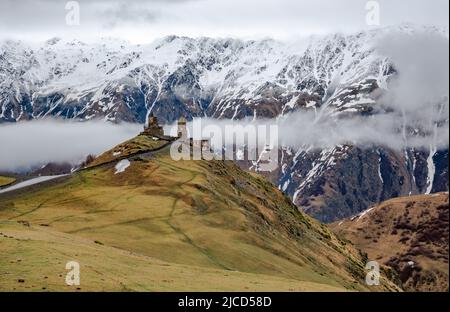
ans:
(336, 183)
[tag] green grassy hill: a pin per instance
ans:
(167, 225)
(4, 181)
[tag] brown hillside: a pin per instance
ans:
(409, 234)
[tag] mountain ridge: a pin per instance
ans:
(336, 76)
(231, 70)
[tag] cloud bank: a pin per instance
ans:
(32, 143)
(302, 130)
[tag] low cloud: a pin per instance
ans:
(302, 130)
(25, 145)
(412, 114)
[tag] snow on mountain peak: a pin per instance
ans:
(222, 78)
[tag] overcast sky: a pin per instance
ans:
(142, 21)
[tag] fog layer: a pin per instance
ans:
(32, 143)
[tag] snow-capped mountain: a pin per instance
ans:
(336, 75)
(332, 184)
(221, 78)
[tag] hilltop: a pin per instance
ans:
(137, 220)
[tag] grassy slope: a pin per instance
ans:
(38, 255)
(139, 144)
(209, 222)
(406, 229)
(6, 181)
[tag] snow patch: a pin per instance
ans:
(285, 185)
(364, 213)
(431, 170)
(379, 168)
(30, 182)
(122, 165)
